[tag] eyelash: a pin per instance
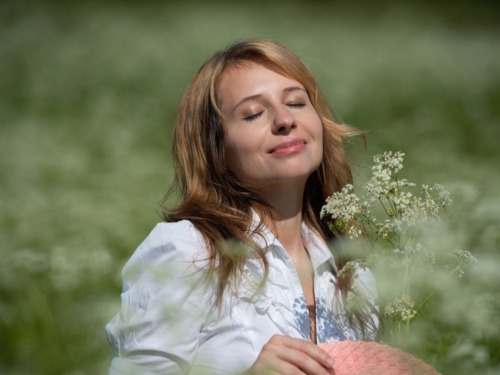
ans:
(255, 116)
(252, 117)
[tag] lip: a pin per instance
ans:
(288, 147)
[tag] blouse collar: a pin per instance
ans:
(318, 250)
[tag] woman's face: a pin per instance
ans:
(273, 135)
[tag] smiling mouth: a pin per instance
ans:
(289, 147)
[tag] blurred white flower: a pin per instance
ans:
(401, 308)
(395, 217)
(461, 260)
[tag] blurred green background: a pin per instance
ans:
(88, 94)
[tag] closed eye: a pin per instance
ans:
(252, 116)
(296, 104)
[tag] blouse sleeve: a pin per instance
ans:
(164, 304)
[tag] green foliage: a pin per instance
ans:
(88, 94)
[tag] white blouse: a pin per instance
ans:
(169, 321)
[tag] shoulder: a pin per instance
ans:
(166, 235)
(169, 243)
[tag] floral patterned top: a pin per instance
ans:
(169, 322)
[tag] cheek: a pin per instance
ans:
(235, 151)
(313, 121)
(242, 150)
(242, 142)
(318, 134)
(317, 130)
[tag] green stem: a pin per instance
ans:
(426, 300)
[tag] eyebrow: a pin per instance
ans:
(286, 90)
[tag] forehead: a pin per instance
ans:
(250, 78)
(251, 70)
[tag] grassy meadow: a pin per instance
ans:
(88, 95)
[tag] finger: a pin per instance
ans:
(287, 355)
(280, 367)
(301, 360)
(312, 350)
(301, 354)
(270, 363)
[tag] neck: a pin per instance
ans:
(289, 233)
(287, 226)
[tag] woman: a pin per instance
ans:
(239, 277)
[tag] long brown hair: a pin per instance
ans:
(211, 197)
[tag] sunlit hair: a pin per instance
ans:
(211, 197)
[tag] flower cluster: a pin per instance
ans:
(402, 307)
(353, 217)
(392, 215)
(461, 260)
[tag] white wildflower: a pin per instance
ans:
(462, 259)
(418, 255)
(343, 207)
(393, 217)
(348, 271)
(402, 308)
(440, 195)
(389, 161)
(388, 228)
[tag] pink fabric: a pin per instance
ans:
(371, 358)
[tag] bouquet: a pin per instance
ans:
(390, 227)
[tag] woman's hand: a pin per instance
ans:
(287, 355)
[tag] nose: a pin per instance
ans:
(284, 121)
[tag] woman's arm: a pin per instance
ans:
(164, 304)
